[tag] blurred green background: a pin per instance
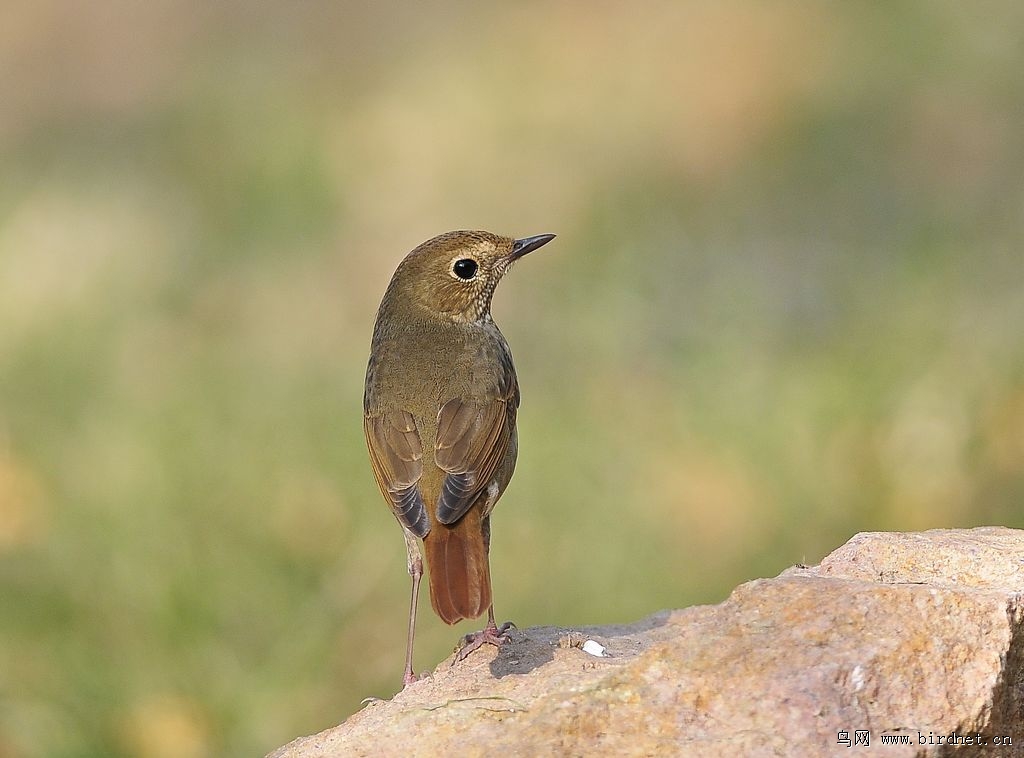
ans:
(785, 305)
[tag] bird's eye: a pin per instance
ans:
(464, 268)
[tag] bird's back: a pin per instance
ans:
(419, 367)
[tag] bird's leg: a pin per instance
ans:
(415, 564)
(492, 634)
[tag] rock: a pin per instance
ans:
(911, 637)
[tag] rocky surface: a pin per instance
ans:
(912, 637)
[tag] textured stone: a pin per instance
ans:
(916, 635)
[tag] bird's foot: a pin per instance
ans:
(489, 635)
(409, 678)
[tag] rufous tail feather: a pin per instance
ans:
(457, 566)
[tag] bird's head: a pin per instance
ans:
(453, 275)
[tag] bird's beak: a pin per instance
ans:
(528, 245)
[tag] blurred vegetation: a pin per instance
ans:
(785, 305)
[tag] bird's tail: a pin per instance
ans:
(457, 565)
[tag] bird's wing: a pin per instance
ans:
(472, 441)
(396, 454)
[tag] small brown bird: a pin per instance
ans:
(439, 413)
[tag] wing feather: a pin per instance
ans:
(472, 441)
(396, 455)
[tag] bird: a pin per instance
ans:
(439, 415)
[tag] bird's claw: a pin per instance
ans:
(411, 678)
(489, 635)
